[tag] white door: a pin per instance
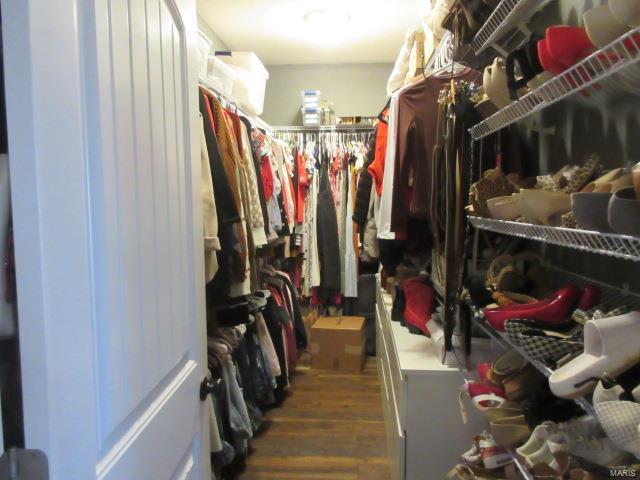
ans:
(102, 113)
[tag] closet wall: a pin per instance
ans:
(216, 42)
(355, 89)
(572, 130)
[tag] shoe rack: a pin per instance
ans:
(610, 244)
(615, 60)
(598, 84)
(610, 294)
(507, 16)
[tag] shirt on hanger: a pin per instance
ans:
(376, 169)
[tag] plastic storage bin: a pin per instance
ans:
(311, 98)
(221, 75)
(311, 117)
(204, 48)
(250, 82)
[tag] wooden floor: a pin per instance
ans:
(329, 428)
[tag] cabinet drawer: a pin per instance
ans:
(396, 377)
(393, 427)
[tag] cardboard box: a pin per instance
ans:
(337, 343)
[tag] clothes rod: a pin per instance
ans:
(324, 128)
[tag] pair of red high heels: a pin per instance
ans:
(563, 47)
(553, 309)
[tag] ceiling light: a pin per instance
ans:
(327, 18)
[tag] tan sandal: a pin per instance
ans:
(523, 383)
(512, 298)
(581, 177)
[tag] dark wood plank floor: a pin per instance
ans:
(329, 428)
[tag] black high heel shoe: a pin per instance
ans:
(526, 57)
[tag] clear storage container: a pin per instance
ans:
(311, 117)
(204, 47)
(311, 98)
(221, 75)
(250, 82)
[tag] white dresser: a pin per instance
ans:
(425, 431)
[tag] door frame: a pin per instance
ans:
(49, 152)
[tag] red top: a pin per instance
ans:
(376, 169)
(303, 187)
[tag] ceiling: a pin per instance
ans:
(277, 32)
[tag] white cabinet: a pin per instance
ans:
(425, 431)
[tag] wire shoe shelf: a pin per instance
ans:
(611, 295)
(620, 246)
(506, 16)
(599, 66)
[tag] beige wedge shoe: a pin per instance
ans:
(539, 206)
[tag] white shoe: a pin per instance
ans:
(551, 453)
(536, 440)
(607, 349)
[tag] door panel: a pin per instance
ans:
(118, 340)
(141, 199)
(186, 470)
(155, 443)
(143, 266)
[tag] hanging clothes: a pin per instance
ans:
(327, 233)
(376, 167)
(364, 181)
(415, 140)
(350, 259)
(209, 214)
(255, 217)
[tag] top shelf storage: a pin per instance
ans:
(507, 16)
(621, 54)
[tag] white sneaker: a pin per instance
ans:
(536, 440)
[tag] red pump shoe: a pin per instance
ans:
(568, 45)
(589, 298)
(553, 309)
(548, 62)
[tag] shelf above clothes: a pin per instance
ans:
(610, 244)
(598, 67)
(507, 16)
(256, 121)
